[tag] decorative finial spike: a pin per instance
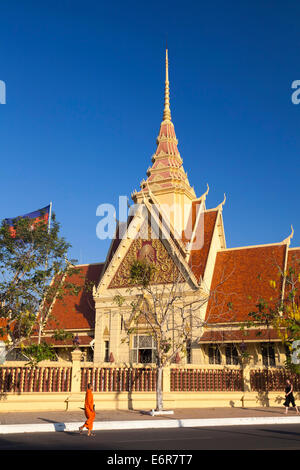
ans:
(288, 239)
(206, 192)
(167, 111)
(220, 206)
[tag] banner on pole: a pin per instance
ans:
(41, 215)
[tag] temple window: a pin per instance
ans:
(143, 349)
(231, 354)
(106, 351)
(214, 354)
(189, 351)
(268, 354)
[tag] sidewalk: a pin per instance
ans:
(54, 421)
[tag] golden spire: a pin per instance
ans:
(167, 111)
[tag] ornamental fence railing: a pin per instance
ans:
(119, 379)
(37, 379)
(272, 380)
(200, 380)
(64, 378)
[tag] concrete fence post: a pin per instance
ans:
(246, 377)
(166, 379)
(76, 371)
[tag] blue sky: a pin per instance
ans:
(85, 83)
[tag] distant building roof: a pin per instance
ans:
(198, 258)
(241, 277)
(77, 311)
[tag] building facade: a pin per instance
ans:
(172, 228)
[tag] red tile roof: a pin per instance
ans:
(198, 258)
(3, 329)
(223, 336)
(83, 341)
(77, 311)
(294, 260)
(7, 328)
(242, 277)
(293, 279)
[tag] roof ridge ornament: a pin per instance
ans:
(220, 206)
(203, 197)
(206, 192)
(288, 239)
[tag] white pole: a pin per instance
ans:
(46, 266)
(49, 220)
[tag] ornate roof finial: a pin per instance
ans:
(220, 206)
(206, 192)
(167, 111)
(288, 239)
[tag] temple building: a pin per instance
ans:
(182, 234)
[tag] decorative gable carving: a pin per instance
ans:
(152, 251)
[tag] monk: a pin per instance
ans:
(89, 409)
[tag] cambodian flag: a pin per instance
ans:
(35, 217)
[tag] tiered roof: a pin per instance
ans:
(167, 172)
(238, 277)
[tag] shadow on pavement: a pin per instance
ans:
(280, 431)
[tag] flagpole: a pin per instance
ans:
(50, 213)
(49, 226)
(46, 266)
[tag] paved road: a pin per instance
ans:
(285, 437)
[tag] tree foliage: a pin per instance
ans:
(33, 268)
(165, 311)
(141, 273)
(282, 315)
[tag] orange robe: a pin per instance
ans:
(89, 409)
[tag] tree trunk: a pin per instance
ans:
(159, 391)
(40, 333)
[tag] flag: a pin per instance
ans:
(35, 217)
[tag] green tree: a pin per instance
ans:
(33, 270)
(170, 315)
